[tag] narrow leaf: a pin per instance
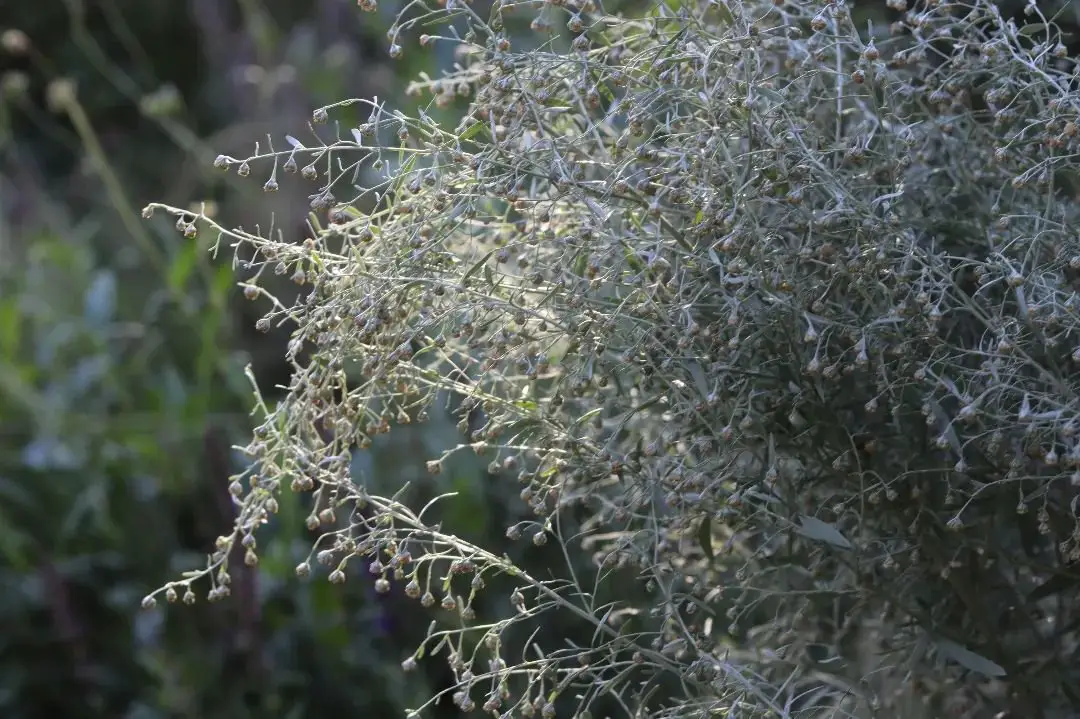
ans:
(704, 535)
(814, 528)
(1053, 585)
(471, 131)
(588, 415)
(969, 659)
(725, 15)
(698, 374)
(473, 270)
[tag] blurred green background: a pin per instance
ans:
(122, 355)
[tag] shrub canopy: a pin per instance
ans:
(771, 304)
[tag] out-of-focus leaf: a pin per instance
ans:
(48, 453)
(87, 374)
(13, 544)
(92, 503)
(10, 325)
(232, 371)
(172, 392)
(14, 387)
(182, 266)
(147, 627)
(99, 302)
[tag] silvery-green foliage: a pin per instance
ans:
(774, 306)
